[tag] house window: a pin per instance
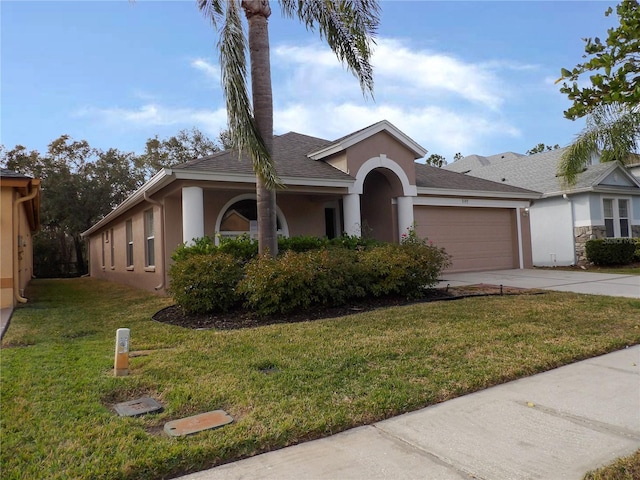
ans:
(113, 251)
(149, 246)
(104, 238)
(129, 245)
(616, 217)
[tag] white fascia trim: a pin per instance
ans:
(357, 137)
(609, 189)
(244, 178)
(214, 177)
(469, 202)
(476, 193)
(162, 178)
(316, 182)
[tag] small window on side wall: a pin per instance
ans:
(149, 235)
(129, 244)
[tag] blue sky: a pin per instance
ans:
(470, 77)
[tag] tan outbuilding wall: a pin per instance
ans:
(19, 221)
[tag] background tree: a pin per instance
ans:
(541, 147)
(611, 101)
(436, 160)
(458, 156)
(180, 148)
(348, 28)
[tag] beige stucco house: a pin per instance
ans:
(19, 220)
(367, 182)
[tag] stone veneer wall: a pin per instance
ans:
(582, 234)
(635, 231)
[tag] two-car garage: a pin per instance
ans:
(478, 237)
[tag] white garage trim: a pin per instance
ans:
(469, 202)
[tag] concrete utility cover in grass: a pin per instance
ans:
(197, 423)
(133, 408)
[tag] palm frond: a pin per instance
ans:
(242, 127)
(212, 9)
(613, 131)
(349, 28)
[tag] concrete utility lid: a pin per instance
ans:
(197, 423)
(133, 408)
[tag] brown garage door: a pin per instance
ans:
(476, 238)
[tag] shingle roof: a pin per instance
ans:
(290, 156)
(537, 172)
(433, 177)
(472, 162)
(5, 172)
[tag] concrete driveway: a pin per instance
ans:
(547, 279)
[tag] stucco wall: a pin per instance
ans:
(139, 275)
(6, 247)
(381, 143)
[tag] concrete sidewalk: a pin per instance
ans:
(548, 279)
(558, 424)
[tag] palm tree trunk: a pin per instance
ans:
(257, 12)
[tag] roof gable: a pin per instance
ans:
(356, 137)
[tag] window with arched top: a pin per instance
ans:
(240, 217)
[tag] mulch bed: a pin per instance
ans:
(242, 318)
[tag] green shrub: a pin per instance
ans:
(301, 243)
(243, 248)
(636, 255)
(406, 269)
(611, 251)
(201, 246)
(203, 283)
(279, 285)
(352, 242)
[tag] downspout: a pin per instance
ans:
(162, 244)
(16, 261)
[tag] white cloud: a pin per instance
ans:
(154, 115)
(437, 129)
(397, 70)
(210, 70)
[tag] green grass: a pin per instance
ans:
(58, 387)
(627, 468)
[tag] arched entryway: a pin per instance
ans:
(377, 209)
(380, 202)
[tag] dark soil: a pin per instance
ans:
(242, 318)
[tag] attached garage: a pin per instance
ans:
(482, 225)
(476, 238)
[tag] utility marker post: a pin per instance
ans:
(121, 364)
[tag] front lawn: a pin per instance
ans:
(282, 383)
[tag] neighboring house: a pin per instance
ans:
(604, 202)
(19, 220)
(367, 183)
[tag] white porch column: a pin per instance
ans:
(405, 215)
(192, 214)
(352, 220)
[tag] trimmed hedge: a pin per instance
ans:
(203, 283)
(245, 249)
(611, 251)
(298, 280)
